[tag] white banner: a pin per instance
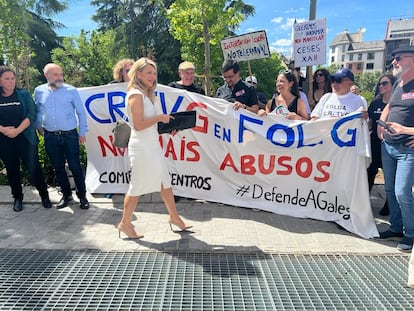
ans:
(303, 169)
(309, 46)
(249, 46)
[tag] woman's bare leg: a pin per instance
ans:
(125, 226)
(168, 197)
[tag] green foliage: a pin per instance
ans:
(45, 164)
(266, 71)
(367, 83)
(200, 25)
(27, 35)
(87, 59)
(141, 29)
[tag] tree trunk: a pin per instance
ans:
(207, 69)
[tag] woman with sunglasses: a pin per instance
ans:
(375, 109)
(321, 85)
(287, 99)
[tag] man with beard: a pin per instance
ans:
(60, 113)
(398, 150)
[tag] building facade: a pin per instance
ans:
(348, 49)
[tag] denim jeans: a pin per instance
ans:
(64, 147)
(398, 166)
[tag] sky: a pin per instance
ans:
(276, 17)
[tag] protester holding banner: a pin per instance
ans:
(18, 138)
(375, 109)
(236, 90)
(149, 168)
(341, 102)
(60, 111)
(398, 150)
(186, 72)
(287, 100)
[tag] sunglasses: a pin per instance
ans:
(383, 83)
(319, 75)
(286, 72)
(337, 80)
(398, 58)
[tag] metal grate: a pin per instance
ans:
(93, 280)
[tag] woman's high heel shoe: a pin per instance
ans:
(129, 232)
(183, 228)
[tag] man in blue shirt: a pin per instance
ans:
(60, 112)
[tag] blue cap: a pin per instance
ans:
(343, 73)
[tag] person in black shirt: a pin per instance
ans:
(398, 150)
(18, 138)
(186, 72)
(375, 109)
(236, 90)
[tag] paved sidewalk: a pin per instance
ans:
(218, 228)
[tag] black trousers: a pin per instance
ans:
(14, 151)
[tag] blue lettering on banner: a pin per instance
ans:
(351, 132)
(112, 107)
(299, 137)
(163, 102)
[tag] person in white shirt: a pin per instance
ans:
(341, 102)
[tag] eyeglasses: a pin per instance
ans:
(384, 83)
(398, 58)
(319, 75)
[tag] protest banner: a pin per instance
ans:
(309, 46)
(308, 169)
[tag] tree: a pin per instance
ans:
(27, 35)
(200, 25)
(87, 59)
(141, 26)
(266, 71)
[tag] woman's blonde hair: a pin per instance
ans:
(136, 83)
(119, 67)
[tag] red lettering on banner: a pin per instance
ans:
(271, 166)
(303, 167)
(247, 165)
(320, 167)
(284, 161)
(199, 128)
(187, 150)
(105, 146)
(228, 162)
